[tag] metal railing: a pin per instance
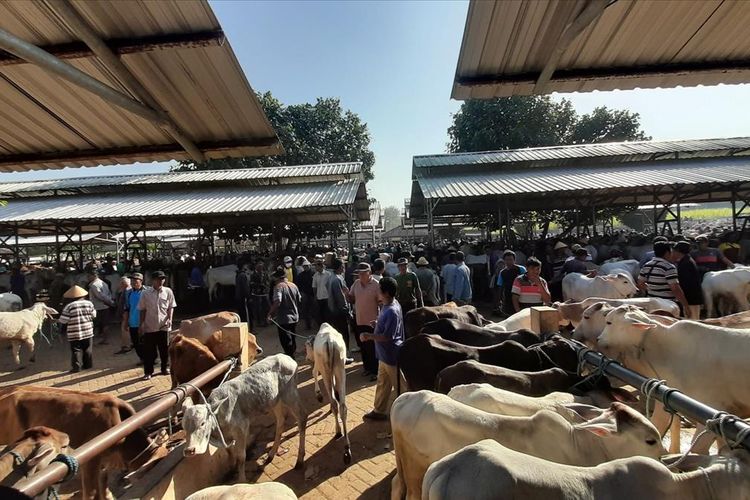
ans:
(57, 471)
(729, 426)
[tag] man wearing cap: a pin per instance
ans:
(285, 306)
(156, 308)
(409, 292)
(428, 282)
(101, 297)
(304, 283)
(709, 259)
(78, 318)
(689, 278)
(320, 288)
(461, 281)
(133, 314)
(364, 295)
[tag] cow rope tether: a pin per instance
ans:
(306, 337)
(212, 414)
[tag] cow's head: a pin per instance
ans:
(253, 349)
(623, 334)
(622, 283)
(198, 424)
(44, 311)
(592, 323)
(46, 444)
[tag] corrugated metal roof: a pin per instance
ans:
(511, 182)
(28, 241)
(612, 151)
(203, 202)
(280, 175)
(46, 122)
(647, 44)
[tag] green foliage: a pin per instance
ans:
(534, 121)
(322, 132)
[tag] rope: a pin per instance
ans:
(71, 463)
(711, 492)
(212, 414)
(17, 458)
(306, 337)
(716, 426)
(648, 388)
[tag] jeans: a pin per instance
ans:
(322, 311)
(136, 342)
(84, 348)
(152, 342)
(367, 349)
(260, 309)
(288, 342)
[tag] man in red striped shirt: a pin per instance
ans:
(530, 289)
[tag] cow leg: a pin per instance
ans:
(90, 481)
(278, 412)
(340, 387)
(328, 384)
(702, 444)
(315, 374)
(660, 419)
(30, 344)
(293, 403)
(708, 298)
(240, 452)
(398, 487)
(16, 350)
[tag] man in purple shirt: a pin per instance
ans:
(388, 337)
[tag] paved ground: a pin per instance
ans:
(325, 474)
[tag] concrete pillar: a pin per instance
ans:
(544, 320)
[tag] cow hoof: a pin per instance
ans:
(299, 464)
(337, 436)
(347, 457)
(319, 397)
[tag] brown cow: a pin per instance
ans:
(472, 335)
(35, 450)
(532, 384)
(203, 327)
(82, 415)
(417, 318)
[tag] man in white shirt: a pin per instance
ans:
(156, 306)
(101, 297)
(448, 273)
(320, 287)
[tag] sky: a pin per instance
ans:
(393, 63)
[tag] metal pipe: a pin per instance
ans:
(683, 404)
(48, 476)
(113, 63)
(32, 53)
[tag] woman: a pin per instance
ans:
(78, 317)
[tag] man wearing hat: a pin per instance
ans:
(157, 306)
(133, 314)
(78, 317)
(364, 294)
(101, 297)
(428, 282)
(285, 307)
(409, 292)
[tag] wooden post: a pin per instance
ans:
(544, 320)
(234, 342)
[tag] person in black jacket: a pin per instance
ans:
(690, 279)
(304, 283)
(242, 295)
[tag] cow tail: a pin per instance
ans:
(331, 363)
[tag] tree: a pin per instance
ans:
(322, 132)
(533, 121)
(392, 218)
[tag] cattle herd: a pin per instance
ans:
(485, 410)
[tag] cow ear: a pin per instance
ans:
(187, 403)
(643, 326)
(40, 454)
(219, 405)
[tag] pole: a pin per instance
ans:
(48, 476)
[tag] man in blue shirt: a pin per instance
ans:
(388, 337)
(461, 281)
(130, 308)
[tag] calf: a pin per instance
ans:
(327, 351)
(497, 472)
(731, 286)
(259, 491)
(427, 426)
(421, 358)
(611, 286)
(572, 312)
(83, 416)
(477, 336)
(33, 451)
(19, 327)
(417, 318)
(268, 385)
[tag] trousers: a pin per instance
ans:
(153, 342)
(385, 390)
(288, 342)
(80, 349)
(136, 341)
(367, 349)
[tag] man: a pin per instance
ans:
(650, 254)
(689, 278)
(132, 314)
(156, 307)
(364, 296)
(289, 270)
(659, 278)
(391, 268)
(448, 274)
(320, 288)
(78, 318)
(558, 259)
(242, 295)
(378, 268)
(409, 293)
(304, 282)
(530, 289)
(461, 281)
(388, 337)
(505, 281)
(260, 287)
(338, 305)
(120, 307)
(575, 265)
(428, 283)
(285, 306)
(101, 297)
(709, 259)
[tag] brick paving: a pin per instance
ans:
(324, 476)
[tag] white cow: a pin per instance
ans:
(19, 327)
(223, 275)
(630, 266)
(572, 312)
(258, 491)
(427, 426)
(10, 302)
(517, 321)
(611, 286)
(268, 385)
(731, 286)
(327, 351)
(491, 471)
(683, 353)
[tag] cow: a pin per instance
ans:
(529, 383)
(730, 287)
(83, 416)
(10, 302)
(203, 327)
(493, 471)
(571, 312)
(327, 352)
(477, 336)
(682, 353)
(612, 286)
(421, 358)
(225, 419)
(427, 426)
(631, 266)
(33, 451)
(258, 491)
(19, 328)
(223, 275)
(417, 318)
